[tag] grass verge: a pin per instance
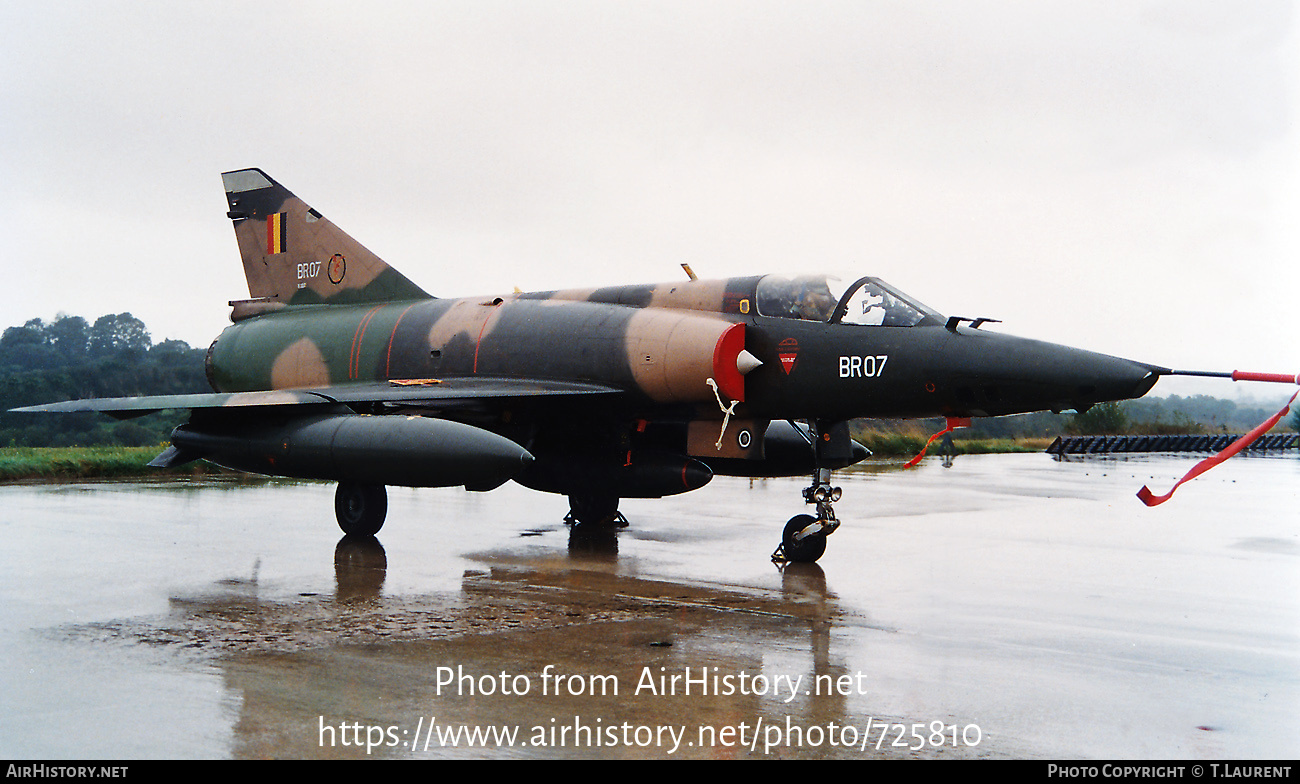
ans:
(91, 462)
(906, 439)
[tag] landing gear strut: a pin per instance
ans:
(804, 537)
(360, 508)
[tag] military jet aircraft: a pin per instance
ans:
(338, 367)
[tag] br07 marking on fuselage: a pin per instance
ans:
(863, 367)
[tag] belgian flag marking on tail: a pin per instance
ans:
(275, 233)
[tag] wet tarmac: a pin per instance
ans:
(1009, 606)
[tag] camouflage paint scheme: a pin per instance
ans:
(655, 342)
(610, 390)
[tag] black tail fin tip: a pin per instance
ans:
(294, 255)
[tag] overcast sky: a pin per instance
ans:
(1117, 176)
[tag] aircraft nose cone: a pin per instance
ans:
(1002, 374)
(1112, 378)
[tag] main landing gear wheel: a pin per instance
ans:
(360, 509)
(594, 510)
(805, 550)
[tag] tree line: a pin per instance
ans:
(70, 358)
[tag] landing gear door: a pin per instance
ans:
(833, 442)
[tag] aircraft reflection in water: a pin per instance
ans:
(360, 566)
(553, 614)
(338, 367)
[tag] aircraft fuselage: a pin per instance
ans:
(664, 353)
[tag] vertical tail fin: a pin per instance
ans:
(293, 255)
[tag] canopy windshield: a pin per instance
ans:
(839, 299)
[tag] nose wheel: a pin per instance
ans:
(804, 537)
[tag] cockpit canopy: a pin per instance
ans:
(839, 300)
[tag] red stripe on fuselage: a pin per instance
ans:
(354, 360)
(388, 356)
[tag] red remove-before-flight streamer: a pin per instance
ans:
(1151, 499)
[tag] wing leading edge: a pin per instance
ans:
(398, 391)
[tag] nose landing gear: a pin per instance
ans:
(804, 537)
